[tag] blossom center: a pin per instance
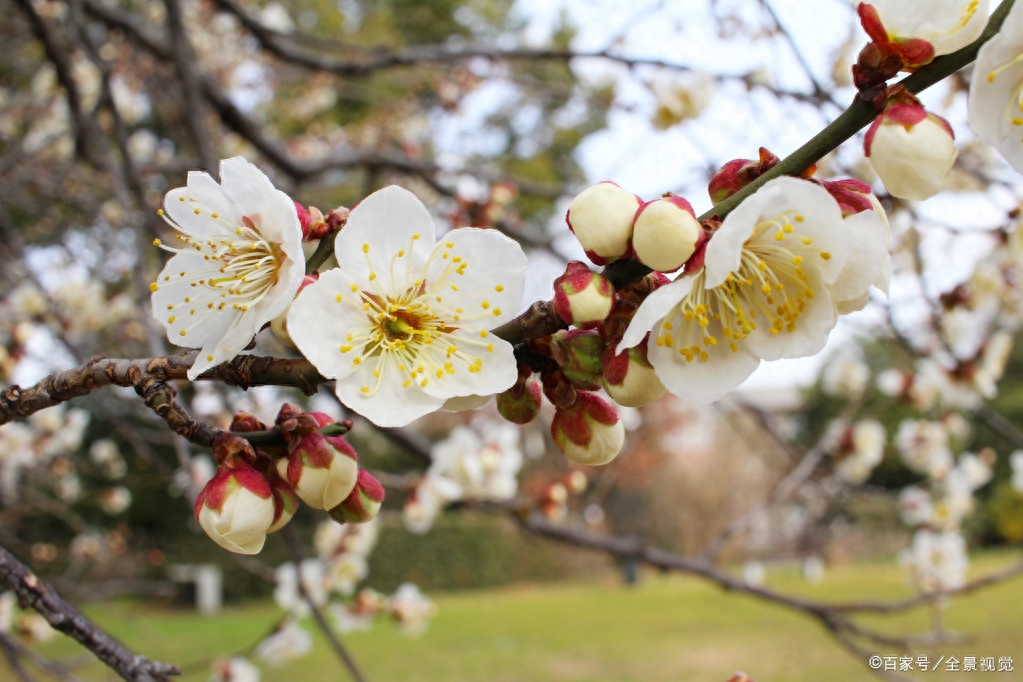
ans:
(412, 329)
(770, 287)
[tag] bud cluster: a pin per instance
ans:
(255, 490)
(611, 223)
(574, 363)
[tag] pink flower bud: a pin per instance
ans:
(601, 219)
(303, 217)
(852, 196)
(913, 52)
(589, 432)
(738, 173)
(322, 469)
(521, 403)
(911, 150)
(583, 297)
(579, 353)
(740, 677)
(665, 233)
(236, 508)
(363, 504)
(285, 503)
(629, 378)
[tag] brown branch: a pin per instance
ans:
(146, 375)
(13, 656)
(35, 594)
(294, 48)
(59, 670)
(84, 129)
(297, 554)
(994, 578)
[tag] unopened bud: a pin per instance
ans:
(583, 297)
(738, 173)
(911, 150)
(285, 503)
(853, 196)
(629, 378)
(236, 508)
(579, 353)
(521, 403)
(666, 233)
(322, 469)
(589, 432)
(601, 219)
(363, 504)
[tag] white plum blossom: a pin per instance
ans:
(946, 24)
(345, 571)
(924, 447)
(1016, 462)
(845, 376)
(996, 91)
(288, 642)
(483, 463)
(433, 493)
(863, 452)
(938, 560)
(777, 273)
(238, 264)
(915, 506)
(403, 324)
(287, 594)
(235, 669)
(411, 608)
(681, 98)
(332, 538)
(346, 620)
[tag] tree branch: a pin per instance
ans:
(35, 594)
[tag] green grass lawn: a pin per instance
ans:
(670, 628)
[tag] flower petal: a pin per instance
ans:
(654, 309)
(947, 24)
(497, 367)
(392, 403)
(320, 325)
(868, 264)
(701, 382)
(817, 217)
(995, 88)
(811, 327)
(480, 271)
(388, 222)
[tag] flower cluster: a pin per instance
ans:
(775, 275)
(911, 149)
(255, 491)
(43, 444)
(479, 463)
(937, 508)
